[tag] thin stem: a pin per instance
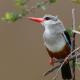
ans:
(73, 41)
(67, 58)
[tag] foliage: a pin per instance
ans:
(14, 16)
(10, 16)
(40, 4)
(69, 32)
(20, 2)
(76, 1)
(52, 1)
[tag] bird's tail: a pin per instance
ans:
(66, 71)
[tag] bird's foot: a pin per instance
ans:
(51, 61)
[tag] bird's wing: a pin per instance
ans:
(67, 38)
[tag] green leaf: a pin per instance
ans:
(69, 32)
(22, 13)
(41, 5)
(52, 1)
(21, 2)
(10, 16)
(76, 1)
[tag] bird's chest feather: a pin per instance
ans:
(54, 41)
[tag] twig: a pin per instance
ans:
(61, 60)
(73, 18)
(71, 58)
(54, 68)
(77, 63)
(51, 70)
(73, 41)
(63, 64)
(77, 32)
(46, 2)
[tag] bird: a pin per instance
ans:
(56, 41)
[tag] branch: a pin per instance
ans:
(62, 60)
(73, 18)
(77, 32)
(51, 70)
(73, 43)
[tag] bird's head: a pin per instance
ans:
(48, 21)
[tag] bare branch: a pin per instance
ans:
(77, 32)
(73, 17)
(63, 61)
(51, 70)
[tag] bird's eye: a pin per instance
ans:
(47, 18)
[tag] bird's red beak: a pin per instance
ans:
(39, 20)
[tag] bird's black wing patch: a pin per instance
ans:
(67, 36)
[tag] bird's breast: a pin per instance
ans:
(53, 41)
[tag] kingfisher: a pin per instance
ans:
(57, 41)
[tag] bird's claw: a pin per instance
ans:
(51, 61)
